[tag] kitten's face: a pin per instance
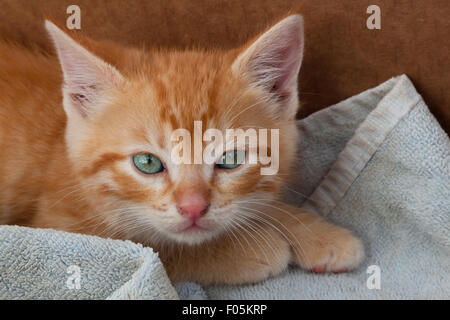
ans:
(120, 127)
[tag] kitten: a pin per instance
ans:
(94, 157)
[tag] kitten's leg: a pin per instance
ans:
(317, 245)
(275, 238)
(237, 257)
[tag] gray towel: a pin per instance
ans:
(48, 264)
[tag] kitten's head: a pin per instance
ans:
(121, 119)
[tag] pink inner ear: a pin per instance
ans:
(275, 58)
(85, 75)
(288, 67)
(289, 57)
(81, 102)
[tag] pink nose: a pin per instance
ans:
(193, 206)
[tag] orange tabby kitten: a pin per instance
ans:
(88, 150)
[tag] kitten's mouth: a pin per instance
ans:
(193, 232)
(192, 228)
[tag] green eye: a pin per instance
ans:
(231, 159)
(147, 163)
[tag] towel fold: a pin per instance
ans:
(48, 264)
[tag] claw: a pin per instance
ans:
(319, 269)
(341, 270)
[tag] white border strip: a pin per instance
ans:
(397, 103)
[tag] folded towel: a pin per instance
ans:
(48, 264)
(379, 164)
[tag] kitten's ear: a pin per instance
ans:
(272, 62)
(87, 78)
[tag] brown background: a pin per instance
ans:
(342, 56)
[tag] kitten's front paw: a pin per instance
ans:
(335, 250)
